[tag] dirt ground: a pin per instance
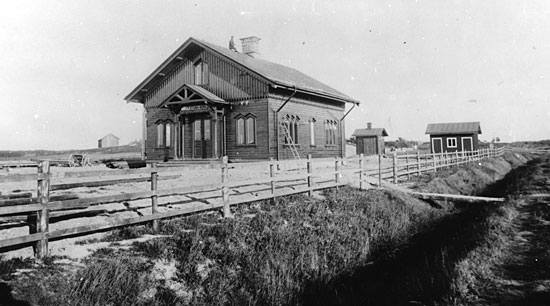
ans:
(523, 277)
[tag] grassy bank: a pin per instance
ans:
(350, 247)
(475, 276)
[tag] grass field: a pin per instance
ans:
(348, 247)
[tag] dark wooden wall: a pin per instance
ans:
(475, 142)
(307, 108)
(369, 145)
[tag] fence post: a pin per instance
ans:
(272, 176)
(225, 188)
(154, 197)
(456, 158)
(43, 195)
(337, 171)
(395, 167)
(309, 176)
(361, 171)
(434, 162)
(379, 170)
(407, 162)
(418, 163)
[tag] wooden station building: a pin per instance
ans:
(205, 101)
(369, 141)
(454, 137)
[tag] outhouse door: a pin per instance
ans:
(370, 146)
(437, 145)
(467, 144)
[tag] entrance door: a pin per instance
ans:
(180, 140)
(202, 147)
(467, 144)
(437, 145)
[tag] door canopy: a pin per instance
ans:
(189, 96)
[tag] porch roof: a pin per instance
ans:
(192, 95)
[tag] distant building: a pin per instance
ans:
(453, 137)
(370, 141)
(108, 141)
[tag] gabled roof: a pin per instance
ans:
(274, 74)
(453, 128)
(370, 132)
(109, 135)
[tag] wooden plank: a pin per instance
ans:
(81, 203)
(110, 182)
(18, 209)
(15, 195)
(15, 178)
(439, 196)
(20, 201)
(4, 243)
(87, 229)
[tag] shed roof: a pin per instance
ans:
(109, 135)
(275, 74)
(453, 128)
(370, 132)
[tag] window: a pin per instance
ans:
(331, 129)
(164, 134)
(168, 134)
(451, 142)
(246, 129)
(197, 129)
(207, 129)
(290, 128)
(201, 73)
(160, 135)
(312, 132)
(250, 130)
(240, 131)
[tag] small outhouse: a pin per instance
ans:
(453, 137)
(369, 141)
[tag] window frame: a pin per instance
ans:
(292, 123)
(312, 132)
(200, 72)
(450, 140)
(245, 130)
(331, 135)
(164, 133)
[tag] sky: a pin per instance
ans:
(67, 65)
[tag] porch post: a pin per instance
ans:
(215, 132)
(176, 136)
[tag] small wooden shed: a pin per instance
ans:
(370, 141)
(453, 137)
(108, 141)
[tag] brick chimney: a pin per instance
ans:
(369, 125)
(251, 46)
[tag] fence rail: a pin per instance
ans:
(272, 179)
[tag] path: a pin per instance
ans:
(524, 275)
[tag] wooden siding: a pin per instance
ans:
(369, 145)
(307, 108)
(225, 79)
(153, 116)
(260, 150)
(459, 148)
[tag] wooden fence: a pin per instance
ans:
(233, 184)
